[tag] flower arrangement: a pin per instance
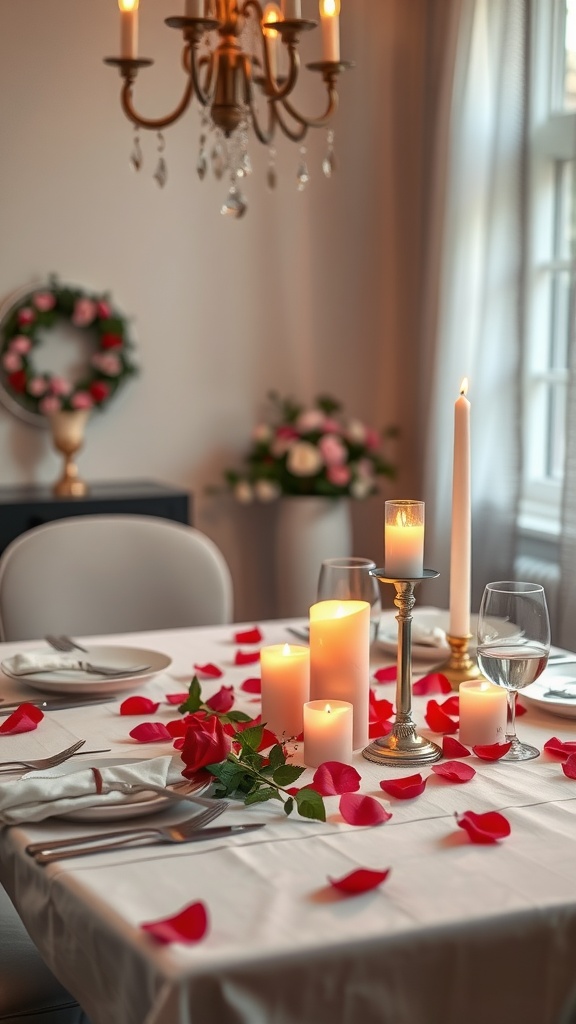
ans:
(45, 393)
(310, 451)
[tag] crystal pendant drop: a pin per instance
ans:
(329, 161)
(136, 158)
(302, 175)
(161, 172)
(271, 175)
(219, 160)
(235, 205)
(245, 166)
(202, 163)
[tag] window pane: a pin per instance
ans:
(557, 422)
(570, 57)
(565, 234)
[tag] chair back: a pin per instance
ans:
(95, 574)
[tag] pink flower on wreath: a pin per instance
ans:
(49, 405)
(84, 312)
(26, 316)
(60, 386)
(37, 386)
(44, 301)
(81, 400)
(333, 451)
(103, 309)
(339, 475)
(108, 362)
(21, 344)
(11, 362)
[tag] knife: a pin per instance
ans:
(55, 703)
(217, 832)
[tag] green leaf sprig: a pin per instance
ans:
(194, 703)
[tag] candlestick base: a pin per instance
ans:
(460, 665)
(398, 749)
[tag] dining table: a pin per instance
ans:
(457, 931)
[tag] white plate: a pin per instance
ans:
(76, 681)
(555, 677)
(425, 618)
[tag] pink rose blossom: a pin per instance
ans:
(108, 363)
(332, 426)
(44, 301)
(286, 433)
(82, 400)
(26, 316)
(60, 386)
(103, 309)
(309, 420)
(338, 475)
(11, 362)
(333, 451)
(37, 386)
(49, 405)
(84, 312)
(372, 438)
(20, 344)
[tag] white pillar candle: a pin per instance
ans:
(285, 670)
(483, 712)
(329, 11)
(460, 546)
(128, 28)
(195, 9)
(340, 658)
(328, 727)
(291, 9)
(404, 539)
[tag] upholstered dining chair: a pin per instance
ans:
(85, 575)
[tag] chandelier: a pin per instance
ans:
(241, 63)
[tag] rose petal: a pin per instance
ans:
(484, 828)
(438, 720)
(380, 710)
(358, 881)
(451, 705)
(189, 925)
(520, 709)
(491, 751)
(138, 706)
(569, 767)
(246, 657)
(150, 732)
(248, 636)
(176, 698)
(378, 729)
(386, 675)
(454, 771)
(406, 788)
(333, 778)
(252, 685)
(222, 701)
(24, 719)
(358, 809)
(560, 748)
(434, 682)
(452, 747)
(212, 671)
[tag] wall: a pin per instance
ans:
(313, 291)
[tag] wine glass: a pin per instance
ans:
(513, 646)
(349, 579)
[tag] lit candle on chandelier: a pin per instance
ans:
(272, 14)
(195, 9)
(404, 539)
(329, 12)
(128, 28)
(460, 543)
(291, 10)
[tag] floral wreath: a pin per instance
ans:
(44, 393)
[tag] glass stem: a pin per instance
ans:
(511, 724)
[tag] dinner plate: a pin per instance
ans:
(77, 681)
(555, 677)
(423, 618)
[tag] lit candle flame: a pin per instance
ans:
(328, 709)
(329, 8)
(286, 650)
(128, 5)
(464, 386)
(271, 13)
(401, 517)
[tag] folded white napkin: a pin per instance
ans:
(47, 794)
(428, 637)
(23, 664)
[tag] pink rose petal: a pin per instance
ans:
(248, 636)
(438, 720)
(24, 719)
(357, 809)
(189, 925)
(150, 732)
(386, 675)
(251, 685)
(569, 767)
(333, 778)
(138, 706)
(484, 828)
(406, 788)
(212, 671)
(246, 657)
(491, 751)
(358, 881)
(434, 682)
(222, 701)
(454, 771)
(452, 747)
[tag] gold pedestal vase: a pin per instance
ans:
(68, 436)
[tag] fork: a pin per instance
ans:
(128, 788)
(46, 762)
(64, 643)
(47, 851)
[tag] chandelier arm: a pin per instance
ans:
(269, 86)
(156, 123)
(294, 134)
(264, 136)
(203, 92)
(314, 122)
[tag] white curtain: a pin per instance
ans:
(567, 591)
(475, 329)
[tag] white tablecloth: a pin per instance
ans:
(459, 933)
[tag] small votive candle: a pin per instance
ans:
(483, 712)
(404, 539)
(328, 728)
(285, 671)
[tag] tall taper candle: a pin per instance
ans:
(340, 658)
(128, 28)
(460, 547)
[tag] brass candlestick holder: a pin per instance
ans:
(460, 665)
(403, 746)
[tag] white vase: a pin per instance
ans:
(308, 530)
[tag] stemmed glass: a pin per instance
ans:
(349, 579)
(513, 646)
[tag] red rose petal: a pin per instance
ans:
(386, 675)
(222, 701)
(484, 828)
(520, 709)
(491, 751)
(358, 881)
(454, 771)
(453, 748)
(176, 698)
(138, 706)
(212, 671)
(434, 682)
(406, 788)
(357, 809)
(150, 732)
(24, 719)
(334, 778)
(189, 925)
(378, 729)
(569, 767)
(560, 748)
(380, 710)
(451, 705)
(438, 720)
(248, 636)
(251, 685)
(246, 657)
